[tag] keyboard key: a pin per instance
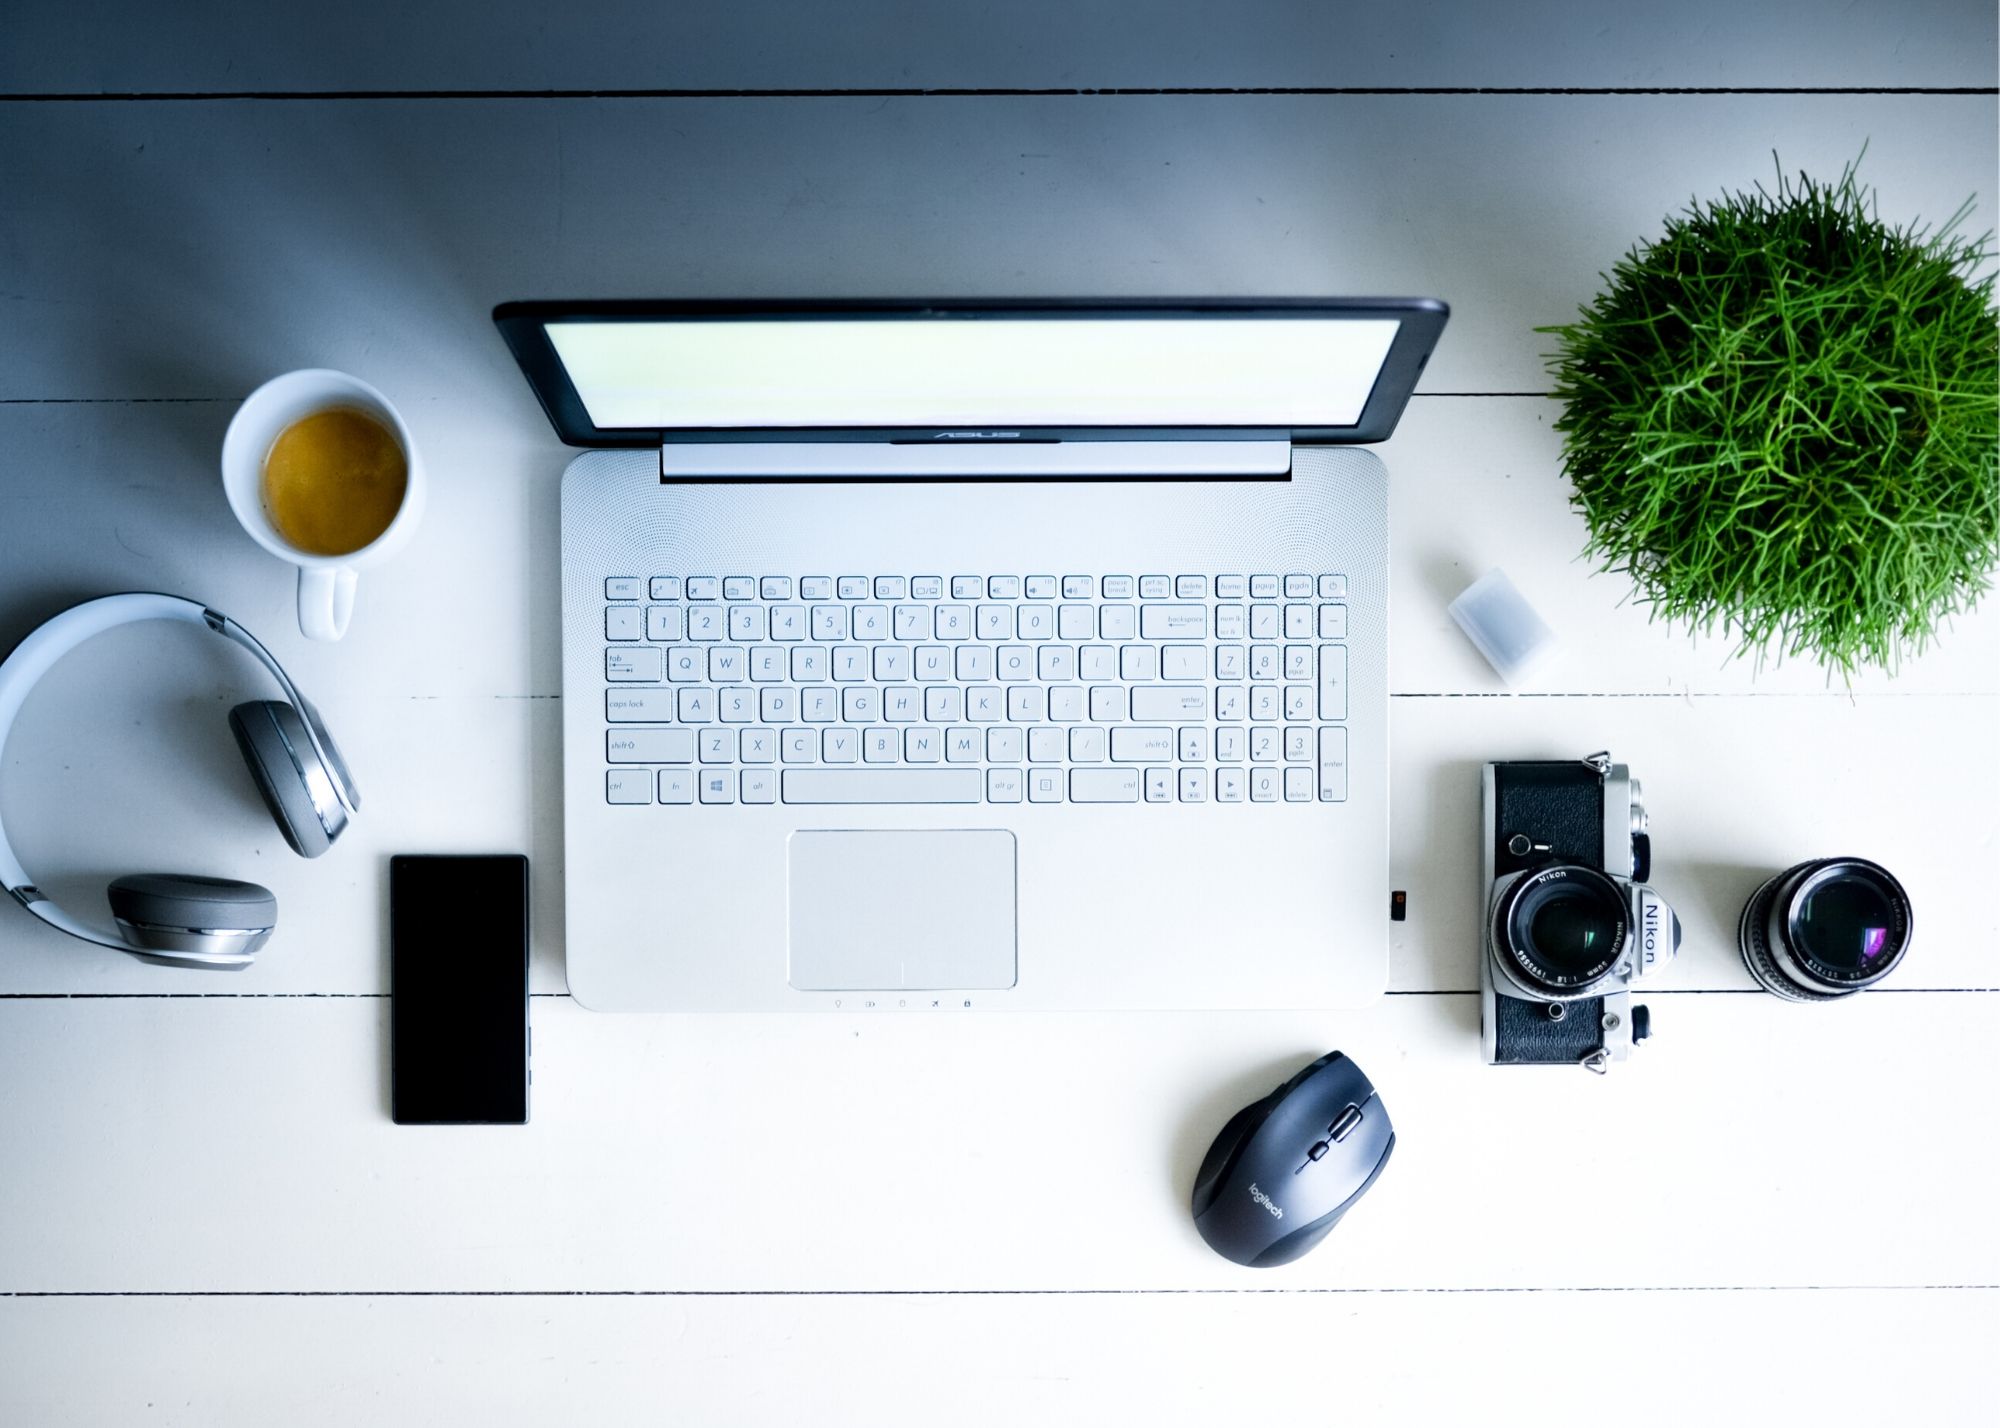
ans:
(963, 745)
(634, 666)
(931, 662)
(1229, 664)
(1263, 661)
(798, 746)
(973, 662)
(1298, 746)
(748, 623)
(775, 587)
(638, 706)
(913, 622)
(1155, 587)
(1333, 622)
(926, 587)
(1117, 622)
(738, 587)
(1229, 705)
(1184, 662)
(1298, 701)
(922, 746)
(1263, 746)
(1298, 587)
(1194, 785)
(983, 704)
(902, 704)
(759, 786)
(1231, 622)
(621, 622)
(1003, 785)
(1298, 622)
(954, 622)
(1077, 587)
(815, 587)
(1086, 745)
(1265, 785)
(1190, 587)
(1229, 745)
(1045, 746)
(1173, 622)
(994, 622)
(696, 706)
(1137, 662)
(706, 622)
(852, 587)
(892, 662)
(859, 706)
(1015, 662)
(829, 622)
(727, 665)
(1027, 704)
(665, 587)
(1231, 587)
(900, 785)
(1003, 746)
(1333, 587)
(1065, 703)
(1298, 661)
(649, 746)
(663, 622)
(1159, 785)
(1004, 587)
(767, 664)
(718, 786)
(628, 786)
(840, 746)
(1096, 662)
(891, 587)
(1169, 705)
(1104, 785)
(1333, 681)
(1264, 622)
(1229, 785)
(676, 786)
(1264, 702)
(622, 587)
(759, 746)
(1263, 587)
(1055, 663)
(967, 587)
(880, 746)
(1138, 744)
(1117, 587)
(1194, 744)
(850, 663)
(1045, 785)
(1109, 704)
(944, 706)
(718, 746)
(1039, 587)
(1332, 765)
(819, 704)
(1076, 622)
(1298, 785)
(871, 622)
(703, 587)
(1036, 622)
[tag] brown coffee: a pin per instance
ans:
(333, 481)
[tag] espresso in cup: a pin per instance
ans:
(334, 480)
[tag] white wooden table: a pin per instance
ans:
(205, 1215)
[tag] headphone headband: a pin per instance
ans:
(34, 656)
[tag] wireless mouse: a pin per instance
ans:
(1286, 1168)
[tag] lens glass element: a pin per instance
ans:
(1846, 923)
(1571, 933)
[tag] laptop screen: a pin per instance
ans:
(918, 372)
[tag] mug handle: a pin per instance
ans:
(326, 600)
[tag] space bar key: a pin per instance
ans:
(884, 785)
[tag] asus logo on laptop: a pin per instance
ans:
(975, 435)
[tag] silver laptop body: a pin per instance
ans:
(1044, 704)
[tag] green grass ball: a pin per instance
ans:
(1780, 421)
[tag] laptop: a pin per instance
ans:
(939, 656)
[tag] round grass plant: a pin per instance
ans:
(1780, 420)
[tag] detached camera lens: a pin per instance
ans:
(1825, 929)
(1562, 928)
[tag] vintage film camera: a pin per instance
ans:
(1570, 923)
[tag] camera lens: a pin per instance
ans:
(1562, 928)
(1825, 929)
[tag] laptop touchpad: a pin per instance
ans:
(893, 910)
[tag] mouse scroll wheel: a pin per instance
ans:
(1343, 1126)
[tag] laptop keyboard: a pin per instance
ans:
(928, 689)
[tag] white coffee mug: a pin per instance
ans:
(326, 582)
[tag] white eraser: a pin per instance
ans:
(1503, 625)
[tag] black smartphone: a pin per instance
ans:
(458, 990)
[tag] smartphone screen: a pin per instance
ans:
(458, 989)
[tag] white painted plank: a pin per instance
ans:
(229, 1145)
(1738, 788)
(116, 45)
(1921, 1356)
(213, 244)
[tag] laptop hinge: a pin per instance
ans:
(835, 460)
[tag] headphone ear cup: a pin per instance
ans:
(188, 919)
(295, 785)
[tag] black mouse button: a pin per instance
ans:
(1296, 1243)
(1344, 1125)
(1222, 1152)
(1319, 1148)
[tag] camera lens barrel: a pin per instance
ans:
(1825, 929)
(1562, 929)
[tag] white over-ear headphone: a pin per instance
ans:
(182, 919)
